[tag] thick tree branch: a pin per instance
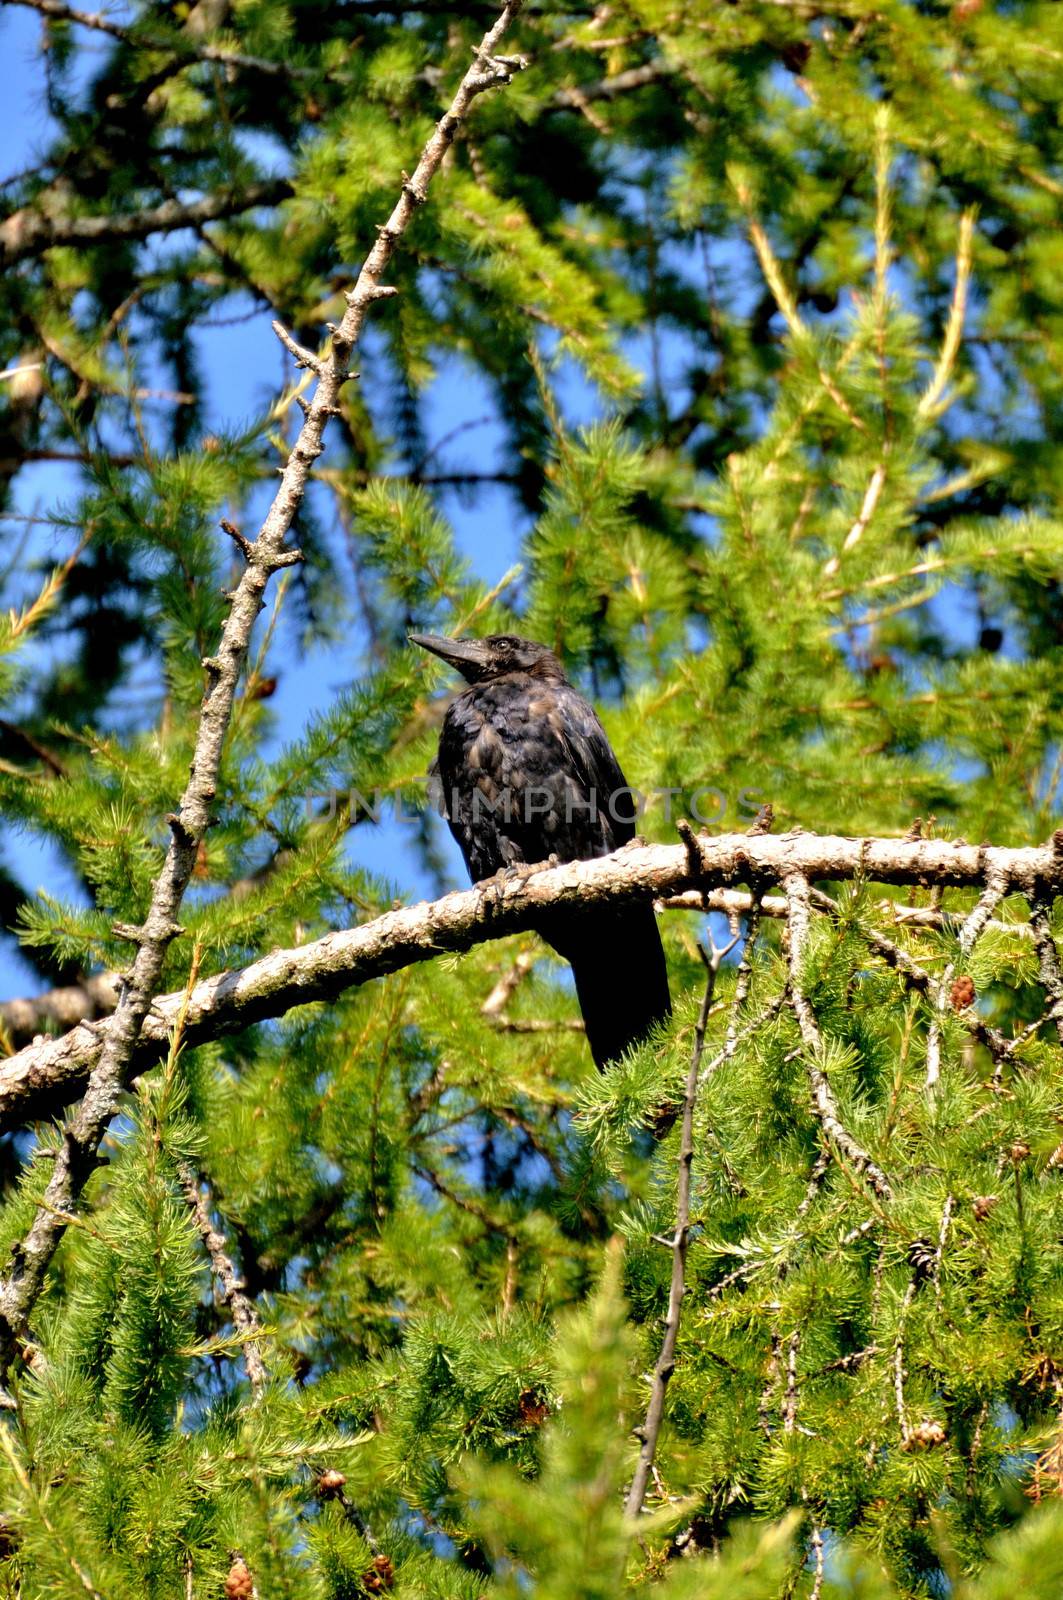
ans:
(29, 231)
(121, 1035)
(23, 1018)
(37, 1081)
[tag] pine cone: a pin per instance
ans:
(239, 1585)
(924, 1436)
(533, 1409)
(330, 1483)
(380, 1577)
(962, 994)
(922, 1258)
(983, 1204)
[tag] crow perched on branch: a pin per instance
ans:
(526, 773)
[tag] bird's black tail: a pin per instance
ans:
(621, 979)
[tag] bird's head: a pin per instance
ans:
(479, 660)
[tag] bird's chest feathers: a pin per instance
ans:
(502, 735)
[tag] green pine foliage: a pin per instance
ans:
(766, 306)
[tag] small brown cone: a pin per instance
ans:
(239, 1585)
(962, 994)
(380, 1577)
(533, 1409)
(924, 1436)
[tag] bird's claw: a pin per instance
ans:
(492, 890)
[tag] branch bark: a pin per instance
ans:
(620, 83)
(23, 1018)
(665, 1363)
(1048, 959)
(121, 1035)
(38, 1080)
(29, 231)
(231, 1287)
(176, 45)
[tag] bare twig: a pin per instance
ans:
(793, 1344)
(943, 1231)
(932, 404)
(899, 1372)
(620, 83)
(764, 1016)
(815, 1540)
(497, 1001)
(784, 299)
(859, 527)
(665, 1363)
(738, 903)
(910, 1437)
(744, 978)
(789, 1405)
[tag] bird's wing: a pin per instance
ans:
(595, 767)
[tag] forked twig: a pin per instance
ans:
(824, 1103)
(665, 1363)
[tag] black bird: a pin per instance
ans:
(526, 773)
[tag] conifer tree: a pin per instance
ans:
(374, 1283)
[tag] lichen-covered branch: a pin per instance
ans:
(230, 1284)
(42, 1078)
(22, 1019)
(1048, 959)
(824, 1103)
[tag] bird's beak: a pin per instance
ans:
(458, 653)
